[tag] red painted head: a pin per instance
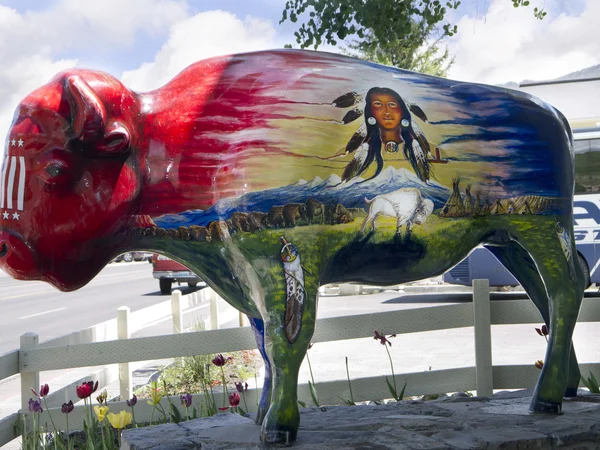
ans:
(69, 179)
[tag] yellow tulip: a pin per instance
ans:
(120, 420)
(100, 412)
(155, 394)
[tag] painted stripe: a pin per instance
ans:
(2, 190)
(21, 193)
(11, 182)
(41, 313)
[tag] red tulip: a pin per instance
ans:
(86, 389)
(234, 399)
(44, 391)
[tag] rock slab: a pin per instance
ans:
(501, 422)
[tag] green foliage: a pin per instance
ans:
(332, 21)
(591, 383)
(416, 51)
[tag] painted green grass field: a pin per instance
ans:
(338, 253)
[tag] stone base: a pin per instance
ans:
(502, 422)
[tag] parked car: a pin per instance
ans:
(134, 256)
(168, 272)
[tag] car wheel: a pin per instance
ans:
(193, 284)
(127, 257)
(165, 285)
(585, 269)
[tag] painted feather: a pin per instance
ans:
(294, 290)
(352, 115)
(357, 139)
(347, 100)
(565, 243)
(417, 111)
(362, 159)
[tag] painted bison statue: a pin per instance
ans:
(93, 169)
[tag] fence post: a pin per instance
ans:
(483, 338)
(214, 310)
(29, 380)
(123, 332)
(176, 310)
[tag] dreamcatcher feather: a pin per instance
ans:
(294, 290)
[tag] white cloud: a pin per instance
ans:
(33, 44)
(204, 35)
(509, 44)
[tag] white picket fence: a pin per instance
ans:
(481, 314)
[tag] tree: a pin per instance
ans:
(386, 20)
(415, 51)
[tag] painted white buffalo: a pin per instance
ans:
(406, 205)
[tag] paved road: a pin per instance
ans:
(36, 306)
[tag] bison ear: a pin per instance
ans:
(115, 141)
(88, 115)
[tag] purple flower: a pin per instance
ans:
(35, 406)
(220, 360)
(542, 331)
(186, 400)
(240, 387)
(67, 407)
(131, 403)
(382, 339)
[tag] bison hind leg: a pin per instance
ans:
(519, 263)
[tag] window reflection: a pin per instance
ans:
(587, 166)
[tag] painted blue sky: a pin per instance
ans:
(146, 42)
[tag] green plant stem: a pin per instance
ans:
(310, 369)
(225, 391)
(133, 417)
(244, 397)
(103, 437)
(349, 384)
(187, 415)
(68, 439)
(392, 366)
(51, 421)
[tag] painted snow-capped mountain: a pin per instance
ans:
(332, 190)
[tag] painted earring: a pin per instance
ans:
(405, 122)
(371, 121)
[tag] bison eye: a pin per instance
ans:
(54, 170)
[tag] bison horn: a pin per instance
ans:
(87, 112)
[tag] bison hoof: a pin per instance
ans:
(571, 392)
(261, 414)
(280, 436)
(539, 406)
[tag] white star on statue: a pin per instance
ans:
(20, 141)
(13, 142)
(16, 216)
(6, 215)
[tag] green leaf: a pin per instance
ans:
(301, 403)
(174, 413)
(391, 388)
(313, 394)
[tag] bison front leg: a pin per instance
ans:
(285, 356)
(258, 328)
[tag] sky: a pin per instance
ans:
(146, 42)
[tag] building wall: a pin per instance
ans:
(578, 100)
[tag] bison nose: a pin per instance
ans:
(16, 258)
